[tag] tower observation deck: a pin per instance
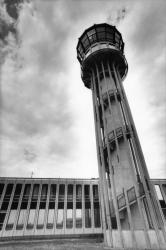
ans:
(131, 214)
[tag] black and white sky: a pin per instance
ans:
(46, 115)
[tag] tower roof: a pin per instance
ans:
(98, 33)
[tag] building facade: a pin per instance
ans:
(130, 210)
(31, 207)
(50, 208)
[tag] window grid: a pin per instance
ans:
(30, 192)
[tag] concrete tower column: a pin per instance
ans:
(130, 212)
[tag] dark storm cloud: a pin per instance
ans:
(5, 29)
(8, 25)
(12, 7)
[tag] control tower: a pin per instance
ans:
(131, 214)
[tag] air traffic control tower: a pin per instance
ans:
(131, 213)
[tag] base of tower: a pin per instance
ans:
(77, 242)
(138, 239)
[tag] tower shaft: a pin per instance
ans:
(131, 213)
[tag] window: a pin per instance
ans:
(87, 206)
(100, 29)
(23, 208)
(69, 215)
(121, 201)
(13, 211)
(97, 214)
(87, 214)
(158, 191)
(131, 194)
(52, 193)
(92, 36)
(78, 214)
(2, 218)
(7, 197)
(60, 212)
(33, 206)
(61, 192)
(1, 189)
(20, 222)
(51, 206)
(96, 206)
(50, 218)
(85, 42)
(42, 206)
(59, 223)
(78, 206)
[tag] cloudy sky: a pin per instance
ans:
(46, 123)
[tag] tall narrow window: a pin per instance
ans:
(78, 206)
(164, 188)
(42, 206)
(23, 208)
(87, 206)
(69, 215)
(97, 222)
(51, 206)
(60, 212)
(33, 206)
(7, 197)
(13, 210)
(5, 204)
(1, 189)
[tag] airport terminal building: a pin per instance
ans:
(58, 208)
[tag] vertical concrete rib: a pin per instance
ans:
(110, 162)
(65, 207)
(142, 163)
(83, 208)
(47, 207)
(117, 144)
(74, 207)
(56, 207)
(134, 177)
(92, 207)
(110, 108)
(101, 164)
(130, 220)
